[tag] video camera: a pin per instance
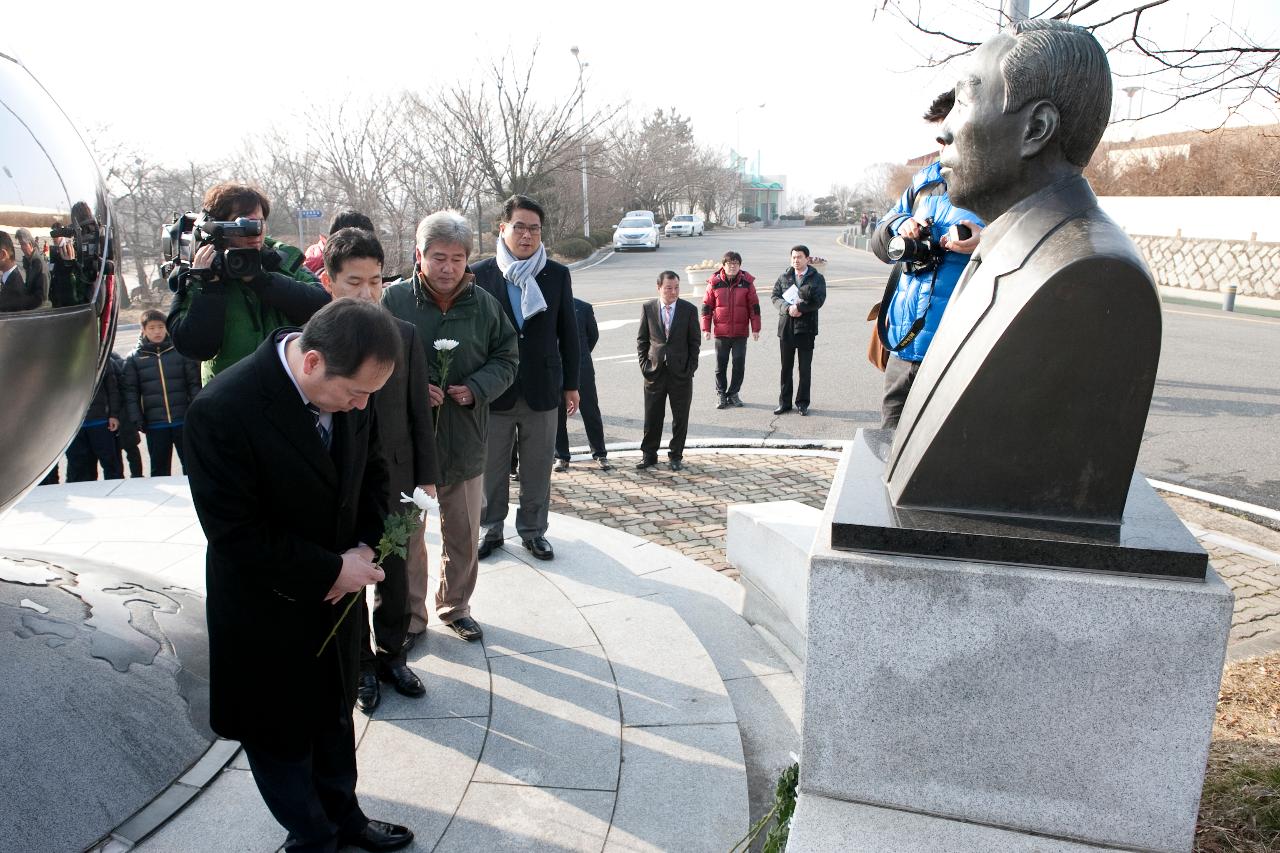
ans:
(188, 232)
(923, 254)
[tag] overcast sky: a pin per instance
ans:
(840, 90)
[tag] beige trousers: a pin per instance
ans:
(459, 534)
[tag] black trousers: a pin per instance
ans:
(91, 447)
(737, 347)
(390, 616)
(657, 391)
(309, 785)
(161, 442)
(899, 376)
(589, 406)
(793, 346)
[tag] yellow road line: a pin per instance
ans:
(1224, 315)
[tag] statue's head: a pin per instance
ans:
(1030, 108)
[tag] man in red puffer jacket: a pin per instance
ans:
(733, 308)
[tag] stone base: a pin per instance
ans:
(1070, 704)
(769, 544)
(823, 825)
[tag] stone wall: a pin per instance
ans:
(1211, 265)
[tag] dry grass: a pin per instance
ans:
(1240, 808)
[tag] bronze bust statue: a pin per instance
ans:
(1032, 399)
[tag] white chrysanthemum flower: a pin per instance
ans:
(445, 344)
(420, 499)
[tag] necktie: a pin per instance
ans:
(326, 434)
(666, 319)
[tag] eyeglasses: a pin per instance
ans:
(521, 228)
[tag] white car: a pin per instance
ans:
(635, 233)
(688, 224)
(640, 214)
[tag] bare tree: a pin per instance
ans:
(1224, 61)
(843, 196)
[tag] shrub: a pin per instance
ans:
(792, 217)
(575, 248)
(601, 236)
(748, 217)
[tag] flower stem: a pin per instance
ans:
(337, 624)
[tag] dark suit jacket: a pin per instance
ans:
(15, 295)
(588, 334)
(404, 419)
(548, 342)
(278, 509)
(677, 353)
(37, 275)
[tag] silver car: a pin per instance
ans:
(686, 224)
(635, 233)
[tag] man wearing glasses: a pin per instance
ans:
(536, 294)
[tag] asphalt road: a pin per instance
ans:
(1212, 424)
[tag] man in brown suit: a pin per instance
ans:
(667, 347)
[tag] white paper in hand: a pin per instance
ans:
(792, 295)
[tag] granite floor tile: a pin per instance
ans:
(502, 818)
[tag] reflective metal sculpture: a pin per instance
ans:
(54, 337)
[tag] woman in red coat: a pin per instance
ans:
(732, 308)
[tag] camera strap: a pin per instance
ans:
(882, 321)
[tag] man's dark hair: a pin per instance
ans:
(350, 219)
(348, 243)
(350, 332)
(799, 248)
(227, 200)
(941, 107)
(522, 202)
(731, 256)
(666, 274)
(6, 244)
(151, 315)
(1065, 65)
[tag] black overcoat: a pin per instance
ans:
(278, 509)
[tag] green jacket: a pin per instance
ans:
(223, 322)
(485, 360)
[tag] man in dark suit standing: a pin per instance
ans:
(798, 294)
(536, 294)
(34, 268)
(15, 295)
(667, 346)
(289, 482)
(588, 335)
(353, 261)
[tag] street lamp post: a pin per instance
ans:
(582, 107)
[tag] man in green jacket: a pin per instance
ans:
(474, 355)
(220, 321)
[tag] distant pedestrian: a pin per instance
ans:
(730, 310)
(798, 295)
(128, 437)
(589, 400)
(159, 385)
(95, 443)
(667, 347)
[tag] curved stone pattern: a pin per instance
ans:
(55, 336)
(106, 696)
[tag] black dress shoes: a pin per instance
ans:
(782, 410)
(410, 640)
(466, 628)
(603, 463)
(646, 463)
(539, 547)
(677, 465)
(487, 547)
(562, 465)
(735, 401)
(378, 835)
(803, 410)
(368, 694)
(401, 678)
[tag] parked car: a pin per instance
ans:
(635, 232)
(641, 214)
(687, 224)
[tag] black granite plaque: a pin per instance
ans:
(1149, 541)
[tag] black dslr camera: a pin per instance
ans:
(922, 254)
(189, 232)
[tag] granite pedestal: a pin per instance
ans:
(1062, 704)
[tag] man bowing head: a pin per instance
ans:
(289, 482)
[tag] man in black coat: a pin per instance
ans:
(798, 294)
(34, 268)
(290, 485)
(536, 294)
(667, 347)
(588, 335)
(15, 292)
(353, 260)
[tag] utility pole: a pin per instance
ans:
(582, 107)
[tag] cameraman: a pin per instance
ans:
(922, 292)
(219, 321)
